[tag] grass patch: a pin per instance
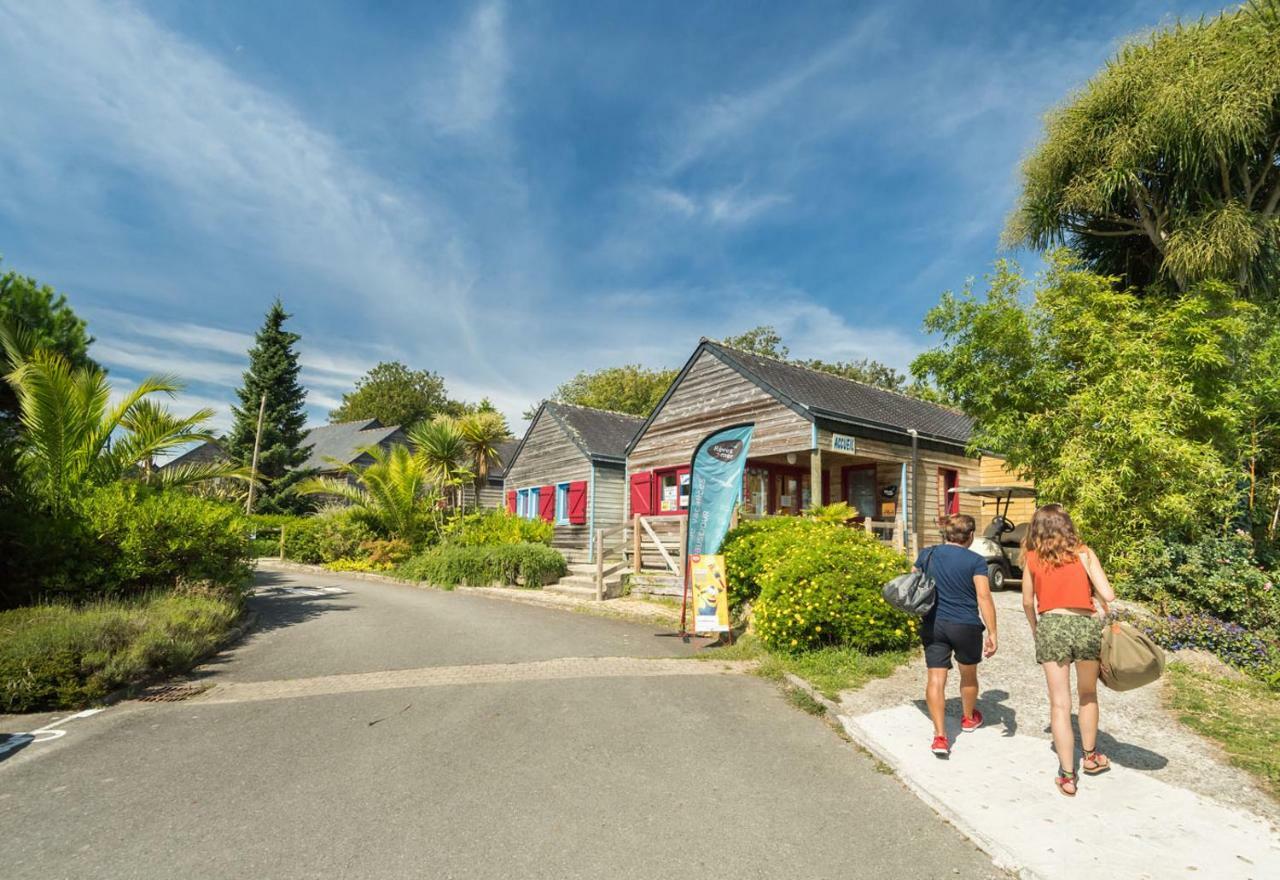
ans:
(803, 701)
(65, 656)
(1241, 716)
(829, 670)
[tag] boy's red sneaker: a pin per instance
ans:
(967, 724)
(941, 747)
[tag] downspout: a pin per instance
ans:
(915, 490)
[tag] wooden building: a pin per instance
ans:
(345, 443)
(569, 469)
(491, 493)
(818, 438)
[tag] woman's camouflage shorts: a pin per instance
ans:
(1064, 638)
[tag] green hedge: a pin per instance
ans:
(450, 565)
(64, 656)
(819, 584)
(325, 537)
(490, 527)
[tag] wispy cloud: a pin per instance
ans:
(729, 206)
(466, 87)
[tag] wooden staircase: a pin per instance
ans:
(580, 582)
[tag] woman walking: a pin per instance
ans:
(1060, 577)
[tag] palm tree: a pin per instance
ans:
(393, 490)
(73, 437)
(442, 448)
(483, 431)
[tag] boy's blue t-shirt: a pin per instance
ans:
(952, 569)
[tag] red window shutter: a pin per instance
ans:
(511, 501)
(547, 503)
(642, 493)
(578, 503)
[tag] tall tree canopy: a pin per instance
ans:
(44, 316)
(396, 395)
(273, 371)
(1165, 168)
(1141, 414)
(627, 389)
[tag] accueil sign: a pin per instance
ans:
(842, 443)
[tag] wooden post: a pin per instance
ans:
(257, 442)
(815, 478)
(599, 565)
(637, 562)
(282, 543)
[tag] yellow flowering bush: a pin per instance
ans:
(820, 585)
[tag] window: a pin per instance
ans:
(672, 490)
(860, 489)
(527, 503)
(562, 504)
(948, 501)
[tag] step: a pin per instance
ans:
(564, 589)
(589, 568)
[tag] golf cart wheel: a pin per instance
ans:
(995, 574)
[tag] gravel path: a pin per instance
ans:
(1136, 731)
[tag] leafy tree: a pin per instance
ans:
(273, 371)
(73, 438)
(764, 341)
(1165, 168)
(396, 395)
(395, 490)
(443, 450)
(483, 431)
(1133, 411)
(50, 324)
(629, 389)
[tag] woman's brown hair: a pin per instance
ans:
(1052, 536)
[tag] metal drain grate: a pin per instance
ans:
(173, 693)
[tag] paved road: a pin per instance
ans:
(368, 730)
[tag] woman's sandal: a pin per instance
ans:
(1095, 762)
(1065, 778)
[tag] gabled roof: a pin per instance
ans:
(208, 451)
(601, 435)
(507, 453)
(343, 441)
(818, 395)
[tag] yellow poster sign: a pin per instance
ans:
(710, 594)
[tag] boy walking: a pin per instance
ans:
(955, 625)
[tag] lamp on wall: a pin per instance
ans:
(791, 458)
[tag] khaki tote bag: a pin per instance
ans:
(1130, 659)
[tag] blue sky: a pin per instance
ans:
(506, 192)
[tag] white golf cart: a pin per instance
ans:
(1001, 541)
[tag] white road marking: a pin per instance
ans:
(48, 733)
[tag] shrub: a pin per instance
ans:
(386, 553)
(450, 565)
(1229, 642)
(326, 537)
(146, 538)
(265, 529)
(748, 548)
(1218, 575)
(358, 565)
(491, 527)
(820, 585)
(62, 656)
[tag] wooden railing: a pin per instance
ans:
(658, 543)
(610, 542)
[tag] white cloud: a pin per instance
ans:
(729, 207)
(466, 89)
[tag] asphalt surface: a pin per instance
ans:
(582, 775)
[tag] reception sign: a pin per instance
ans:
(710, 594)
(716, 487)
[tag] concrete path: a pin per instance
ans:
(368, 730)
(1171, 807)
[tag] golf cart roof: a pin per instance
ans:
(996, 491)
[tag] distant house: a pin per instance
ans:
(491, 496)
(210, 451)
(345, 442)
(569, 469)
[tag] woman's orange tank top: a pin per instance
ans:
(1063, 586)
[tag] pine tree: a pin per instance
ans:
(273, 370)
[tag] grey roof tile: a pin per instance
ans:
(343, 441)
(600, 432)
